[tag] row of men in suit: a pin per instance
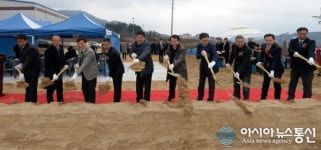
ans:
(55, 61)
(271, 60)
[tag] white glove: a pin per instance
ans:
(227, 65)
(203, 53)
(271, 74)
(236, 75)
(74, 77)
(108, 79)
(166, 57)
(136, 60)
(77, 66)
(311, 61)
(134, 55)
(211, 64)
(54, 77)
(296, 54)
(259, 63)
(19, 66)
(218, 52)
(21, 76)
(171, 67)
(66, 66)
(223, 51)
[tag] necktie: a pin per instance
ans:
(300, 43)
(267, 50)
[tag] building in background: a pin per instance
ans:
(34, 10)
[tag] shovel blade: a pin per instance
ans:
(278, 80)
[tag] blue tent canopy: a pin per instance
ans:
(14, 25)
(17, 24)
(79, 26)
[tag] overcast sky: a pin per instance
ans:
(195, 16)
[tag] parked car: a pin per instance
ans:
(44, 43)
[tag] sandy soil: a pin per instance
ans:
(78, 125)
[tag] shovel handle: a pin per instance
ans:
(168, 65)
(205, 56)
(260, 66)
(62, 70)
(211, 69)
(234, 73)
(305, 59)
(18, 70)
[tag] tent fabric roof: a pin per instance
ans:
(17, 24)
(242, 30)
(79, 25)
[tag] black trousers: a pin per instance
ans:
(88, 89)
(237, 88)
(124, 55)
(172, 87)
(141, 82)
(59, 90)
(31, 90)
(117, 82)
(266, 85)
(306, 77)
(201, 85)
(161, 56)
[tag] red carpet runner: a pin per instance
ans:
(156, 95)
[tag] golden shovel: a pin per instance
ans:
(211, 69)
(21, 84)
(46, 81)
(70, 85)
(172, 71)
(244, 84)
(277, 80)
(303, 58)
(138, 66)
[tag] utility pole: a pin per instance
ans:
(133, 28)
(172, 17)
(318, 17)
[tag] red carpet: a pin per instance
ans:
(156, 95)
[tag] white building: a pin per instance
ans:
(34, 10)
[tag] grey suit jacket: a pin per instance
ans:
(88, 64)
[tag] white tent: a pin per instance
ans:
(242, 30)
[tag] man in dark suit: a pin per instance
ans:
(141, 52)
(54, 62)
(300, 68)
(271, 61)
(206, 48)
(219, 47)
(160, 47)
(242, 66)
(30, 67)
(87, 68)
(176, 56)
(226, 49)
(116, 67)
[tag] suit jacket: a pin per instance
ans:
(54, 60)
(242, 58)
(143, 53)
(306, 50)
(226, 47)
(30, 60)
(178, 61)
(115, 64)
(16, 49)
(88, 64)
(159, 48)
(212, 56)
(272, 61)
